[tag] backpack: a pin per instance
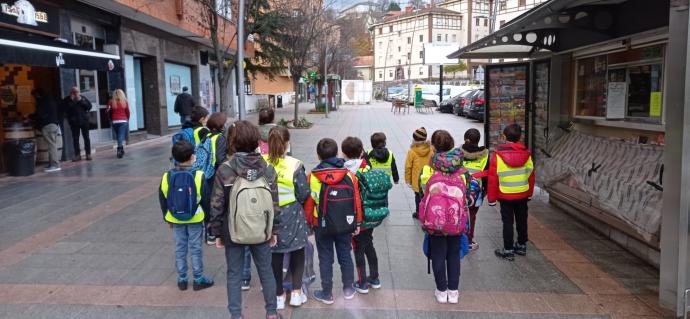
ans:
(204, 157)
(186, 134)
(182, 198)
(338, 212)
(464, 249)
(475, 196)
(374, 187)
(250, 211)
(444, 207)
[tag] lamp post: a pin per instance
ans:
(240, 59)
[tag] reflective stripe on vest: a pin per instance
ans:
(513, 180)
(427, 171)
(384, 167)
(285, 168)
(315, 189)
(214, 139)
(197, 138)
(199, 215)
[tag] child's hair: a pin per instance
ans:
(327, 148)
(278, 137)
(442, 141)
(182, 151)
(352, 147)
(378, 140)
(472, 136)
(513, 132)
(216, 122)
(266, 115)
(243, 137)
(198, 113)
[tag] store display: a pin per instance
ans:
(507, 98)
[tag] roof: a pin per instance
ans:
(402, 14)
(366, 3)
(366, 60)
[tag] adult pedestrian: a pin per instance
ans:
(47, 119)
(184, 103)
(77, 108)
(118, 108)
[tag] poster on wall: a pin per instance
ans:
(615, 100)
(506, 88)
(175, 85)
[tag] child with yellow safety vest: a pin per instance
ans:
(511, 182)
(381, 158)
(216, 125)
(198, 124)
(293, 191)
(476, 161)
(184, 199)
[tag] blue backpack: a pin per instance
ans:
(182, 195)
(204, 157)
(186, 134)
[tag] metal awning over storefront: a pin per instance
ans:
(562, 25)
(23, 48)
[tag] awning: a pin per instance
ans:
(24, 48)
(562, 25)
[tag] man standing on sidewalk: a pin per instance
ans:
(184, 103)
(77, 108)
(46, 118)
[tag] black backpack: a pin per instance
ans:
(338, 212)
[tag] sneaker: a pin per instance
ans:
(320, 295)
(441, 296)
(182, 284)
(520, 249)
(453, 296)
(505, 254)
(374, 283)
(474, 246)
(362, 288)
(210, 240)
(280, 302)
(297, 298)
(76, 159)
(51, 169)
(202, 283)
(245, 285)
(88, 157)
(415, 215)
(349, 293)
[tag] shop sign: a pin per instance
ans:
(25, 14)
(59, 60)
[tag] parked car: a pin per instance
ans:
(477, 106)
(430, 92)
(462, 99)
(448, 104)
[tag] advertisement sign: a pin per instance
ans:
(30, 15)
(436, 53)
(506, 101)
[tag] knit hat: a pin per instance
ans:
(419, 134)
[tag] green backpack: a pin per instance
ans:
(374, 187)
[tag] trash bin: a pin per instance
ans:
(20, 156)
(279, 101)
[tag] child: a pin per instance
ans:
(293, 191)
(418, 156)
(476, 161)
(218, 149)
(197, 124)
(382, 159)
(246, 179)
(364, 241)
(334, 210)
(511, 182)
(186, 221)
(266, 117)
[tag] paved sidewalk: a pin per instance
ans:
(89, 242)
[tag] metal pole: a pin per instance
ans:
(325, 77)
(440, 86)
(240, 59)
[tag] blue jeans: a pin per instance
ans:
(234, 253)
(247, 266)
(188, 236)
(343, 247)
(120, 130)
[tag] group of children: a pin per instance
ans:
(261, 202)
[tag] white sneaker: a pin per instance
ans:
(474, 246)
(297, 298)
(453, 296)
(441, 296)
(51, 169)
(281, 302)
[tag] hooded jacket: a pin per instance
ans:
(472, 152)
(514, 155)
(418, 156)
(330, 171)
(247, 165)
(381, 156)
(184, 103)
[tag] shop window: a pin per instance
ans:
(591, 87)
(644, 91)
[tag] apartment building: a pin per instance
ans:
(507, 10)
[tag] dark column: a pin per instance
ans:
(440, 85)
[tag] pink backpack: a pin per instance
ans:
(443, 210)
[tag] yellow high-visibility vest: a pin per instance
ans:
(385, 166)
(476, 166)
(214, 139)
(513, 180)
(199, 215)
(197, 138)
(285, 168)
(315, 189)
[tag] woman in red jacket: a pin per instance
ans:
(118, 108)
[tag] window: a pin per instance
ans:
(380, 30)
(409, 56)
(486, 22)
(446, 38)
(421, 38)
(224, 8)
(591, 87)
(522, 3)
(501, 23)
(399, 49)
(390, 29)
(409, 40)
(390, 74)
(380, 44)
(438, 38)
(476, 21)
(503, 5)
(421, 70)
(380, 75)
(421, 54)
(455, 38)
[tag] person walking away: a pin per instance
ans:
(293, 191)
(245, 213)
(334, 210)
(46, 119)
(511, 183)
(118, 108)
(77, 108)
(476, 161)
(418, 156)
(184, 104)
(266, 118)
(381, 158)
(184, 199)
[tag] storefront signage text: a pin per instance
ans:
(25, 12)
(28, 16)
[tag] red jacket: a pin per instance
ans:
(118, 111)
(514, 155)
(335, 175)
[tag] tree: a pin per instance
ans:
(455, 68)
(394, 6)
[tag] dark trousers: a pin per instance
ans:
(514, 211)
(296, 269)
(325, 245)
(417, 200)
(75, 138)
(365, 251)
(445, 261)
(473, 219)
(234, 257)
